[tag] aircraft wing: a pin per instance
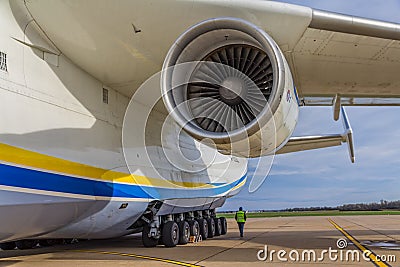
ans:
(344, 61)
(355, 58)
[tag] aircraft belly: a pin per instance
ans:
(25, 214)
(104, 219)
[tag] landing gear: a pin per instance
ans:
(184, 232)
(180, 228)
(7, 246)
(194, 228)
(50, 242)
(147, 240)
(69, 240)
(170, 234)
(217, 223)
(26, 244)
(211, 227)
(203, 228)
(224, 225)
(44, 243)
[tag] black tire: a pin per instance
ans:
(44, 243)
(184, 232)
(26, 244)
(68, 240)
(7, 246)
(224, 226)
(148, 242)
(54, 242)
(50, 242)
(194, 228)
(211, 227)
(203, 225)
(170, 234)
(218, 225)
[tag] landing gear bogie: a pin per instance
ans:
(179, 229)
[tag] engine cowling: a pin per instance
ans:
(226, 81)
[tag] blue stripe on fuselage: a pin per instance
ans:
(34, 179)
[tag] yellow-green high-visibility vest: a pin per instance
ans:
(240, 217)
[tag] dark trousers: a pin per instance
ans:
(241, 228)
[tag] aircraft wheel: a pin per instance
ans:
(170, 234)
(218, 225)
(44, 243)
(26, 244)
(224, 225)
(211, 227)
(184, 232)
(7, 246)
(203, 228)
(54, 242)
(68, 240)
(194, 228)
(148, 241)
(50, 242)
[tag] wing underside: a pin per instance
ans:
(344, 61)
(356, 58)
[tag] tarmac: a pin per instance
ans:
(286, 241)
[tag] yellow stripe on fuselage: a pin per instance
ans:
(239, 185)
(19, 156)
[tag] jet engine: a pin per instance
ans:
(226, 82)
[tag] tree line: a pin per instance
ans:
(375, 206)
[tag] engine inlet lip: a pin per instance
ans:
(266, 43)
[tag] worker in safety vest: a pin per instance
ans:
(240, 218)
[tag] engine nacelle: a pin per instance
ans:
(226, 80)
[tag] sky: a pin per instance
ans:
(326, 177)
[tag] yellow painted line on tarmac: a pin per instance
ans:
(139, 257)
(369, 254)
